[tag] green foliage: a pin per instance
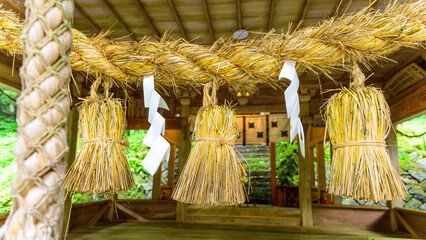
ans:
(287, 163)
(7, 169)
(7, 112)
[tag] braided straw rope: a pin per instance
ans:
(361, 37)
(43, 108)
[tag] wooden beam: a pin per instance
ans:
(147, 18)
(271, 12)
(320, 169)
(302, 13)
(208, 19)
(131, 213)
(177, 18)
(392, 145)
(407, 226)
(72, 133)
(112, 213)
(312, 166)
(87, 17)
(411, 105)
(239, 14)
(184, 150)
(239, 109)
(413, 57)
(142, 123)
(98, 215)
(305, 199)
(112, 10)
(316, 135)
(156, 185)
(171, 166)
(273, 154)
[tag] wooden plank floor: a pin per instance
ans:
(244, 211)
(173, 230)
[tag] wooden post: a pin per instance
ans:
(320, 169)
(305, 200)
(184, 149)
(156, 185)
(392, 144)
(72, 133)
(171, 166)
(312, 164)
(273, 173)
(336, 199)
(112, 212)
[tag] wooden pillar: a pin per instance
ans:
(392, 144)
(112, 212)
(72, 133)
(312, 165)
(156, 185)
(171, 166)
(273, 159)
(184, 149)
(305, 200)
(320, 169)
(336, 199)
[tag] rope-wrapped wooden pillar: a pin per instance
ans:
(43, 108)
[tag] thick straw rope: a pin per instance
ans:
(43, 108)
(365, 36)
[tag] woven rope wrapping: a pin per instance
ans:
(335, 44)
(43, 108)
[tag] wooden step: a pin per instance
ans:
(243, 220)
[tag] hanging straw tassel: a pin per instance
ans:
(212, 174)
(358, 122)
(101, 166)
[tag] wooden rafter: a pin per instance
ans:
(239, 14)
(112, 10)
(270, 23)
(147, 18)
(407, 226)
(87, 17)
(209, 20)
(302, 13)
(177, 18)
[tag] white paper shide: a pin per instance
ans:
(160, 148)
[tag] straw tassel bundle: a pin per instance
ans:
(212, 174)
(101, 166)
(358, 122)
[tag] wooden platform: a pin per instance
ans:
(260, 214)
(172, 230)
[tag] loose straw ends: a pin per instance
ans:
(358, 122)
(212, 174)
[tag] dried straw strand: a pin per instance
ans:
(212, 174)
(101, 166)
(358, 122)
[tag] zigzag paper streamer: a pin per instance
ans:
(160, 148)
(292, 103)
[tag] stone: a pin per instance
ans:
(348, 201)
(418, 175)
(423, 185)
(423, 207)
(370, 203)
(413, 156)
(422, 164)
(408, 197)
(409, 180)
(408, 187)
(418, 193)
(413, 203)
